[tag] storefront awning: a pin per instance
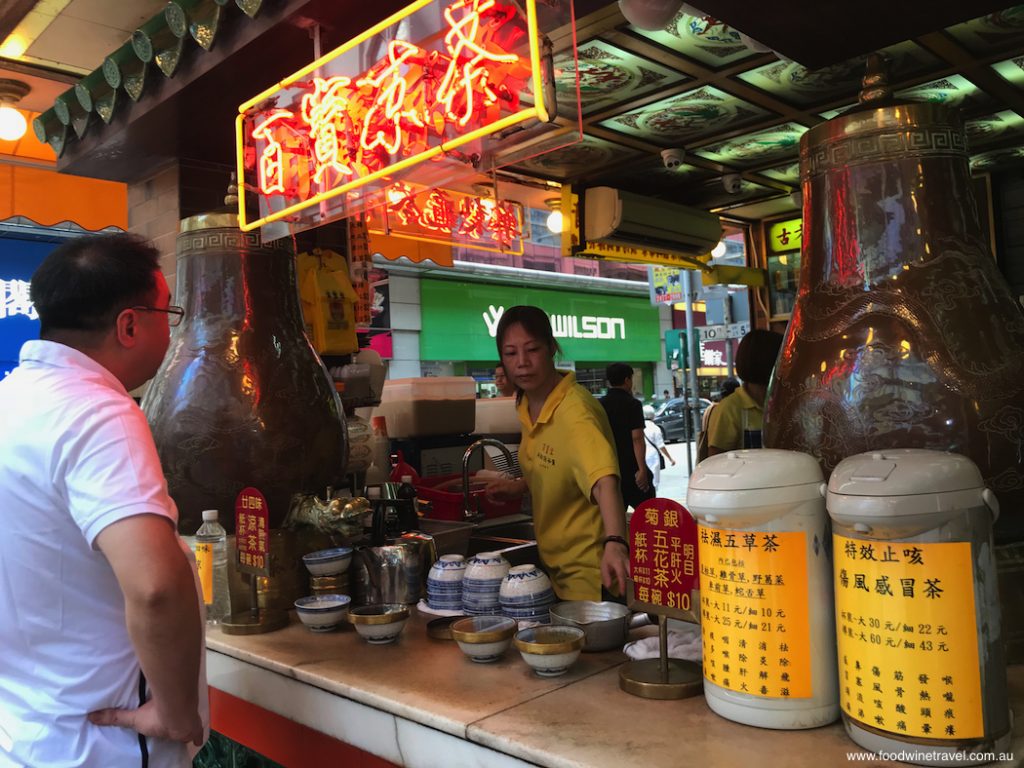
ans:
(417, 251)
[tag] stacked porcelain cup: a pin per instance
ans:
(482, 583)
(526, 594)
(444, 583)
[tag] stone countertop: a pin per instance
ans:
(579, 719)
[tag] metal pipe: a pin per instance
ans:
(467, 512)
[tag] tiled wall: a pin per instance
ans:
(154, 213)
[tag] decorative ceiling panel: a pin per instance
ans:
(700, 38)
(609, 75)
(758, 148)
(797, 85)
(995, 31)
(1011, 70)
(787, 174)
(990, 129)
(682, 119)
(649, 176)
(999, 158)
(953, 91)
(578, 159)
(712, 194)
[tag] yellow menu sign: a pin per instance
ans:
(908, 642)
(754, 620)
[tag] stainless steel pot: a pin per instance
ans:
(605, 625)
(392, 573)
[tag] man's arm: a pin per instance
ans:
(640, 453)
(162, 615)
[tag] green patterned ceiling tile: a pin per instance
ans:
(577, 159)
(683, 118)
(828, 115)
(701, 38)
(953, 91)
(991, 128)
(609, 75)
(777, 143)
(799, 86)
(995, 31)
(1011, 70)
(712, 194)
(787, 174)
(997, 158)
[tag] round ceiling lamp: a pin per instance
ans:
(651, 15)
(12, 123)
(554, 221)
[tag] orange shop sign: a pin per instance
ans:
(446, 74)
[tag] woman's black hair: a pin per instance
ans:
(535, 322)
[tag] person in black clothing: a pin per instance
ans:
(626, 416)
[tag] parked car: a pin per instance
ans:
(671, 417)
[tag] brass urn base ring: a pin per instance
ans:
(246, 623)
(645, 679)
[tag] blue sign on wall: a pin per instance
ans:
(19, 322)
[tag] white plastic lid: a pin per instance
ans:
(210, 515)
(407, 479)
(373, 491)
(755, 469)
(904, 472)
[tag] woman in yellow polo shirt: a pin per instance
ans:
(569, 464)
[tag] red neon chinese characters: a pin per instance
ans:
(324, 111)
(342, 128)
(439, 212)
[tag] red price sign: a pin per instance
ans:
(252, 532)
(663, 555)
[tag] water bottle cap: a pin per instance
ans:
(210, 515)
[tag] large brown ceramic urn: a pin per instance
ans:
(904, 334)
(241, 398)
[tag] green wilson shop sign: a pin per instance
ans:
(460, 321)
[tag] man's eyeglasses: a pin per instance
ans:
(174, 314)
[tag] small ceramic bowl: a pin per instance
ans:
(487, 566)
(524, 581)
(448, 568)
(322, 613)
(381, 623)
(328, 562)
(550, 651)
(484, 638)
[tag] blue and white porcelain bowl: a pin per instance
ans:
(328, 562)
(322, 613)
(448, 568)
(524, 582)
(487, 566)
(484, 638)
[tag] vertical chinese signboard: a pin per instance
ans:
(754, 617)
(422, 98)
(908, 641)
(784, 239)
(663, 556)
(252, 531)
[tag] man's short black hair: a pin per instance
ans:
(86, 282)
(617, 373)
(756, 354)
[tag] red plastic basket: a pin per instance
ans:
(444, 493)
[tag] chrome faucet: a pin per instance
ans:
(467, 510)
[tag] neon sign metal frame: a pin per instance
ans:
(539, 111)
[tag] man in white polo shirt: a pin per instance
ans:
(100, 628)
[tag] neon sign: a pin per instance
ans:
(328, 130)
(449, 217)
(14, 300)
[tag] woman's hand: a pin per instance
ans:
(615, 566)
(503, 489)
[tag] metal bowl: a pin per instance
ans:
(605, 625)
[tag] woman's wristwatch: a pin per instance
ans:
(617, 540)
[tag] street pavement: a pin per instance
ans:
(674, 480)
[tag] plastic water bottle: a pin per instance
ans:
(212, 562)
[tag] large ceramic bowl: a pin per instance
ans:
(328, 562)
(526, 582)
(550, 651)
(322, 613)
(484, 638)
(448, 568)
(381, 623)
(487, 567)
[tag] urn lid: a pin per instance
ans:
(756, 469)
(904, 472)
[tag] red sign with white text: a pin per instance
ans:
(252, 532)
(339, 126)
(663, 554)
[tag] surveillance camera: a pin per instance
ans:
(732, 182)
(673, 158)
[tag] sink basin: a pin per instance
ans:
(519, 529)
(514, 538)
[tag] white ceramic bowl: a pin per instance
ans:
(487, 566)
(448, 568)
(524, 581)
(550, 651)
(484, 638)
(381, 623)
(328, 562)
(322, 613)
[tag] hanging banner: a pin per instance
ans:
(417, 99)
(665, 284)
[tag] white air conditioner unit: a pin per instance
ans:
(615, 217)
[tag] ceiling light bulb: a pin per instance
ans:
(719, 250)
(12, 124)
(555, 222)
